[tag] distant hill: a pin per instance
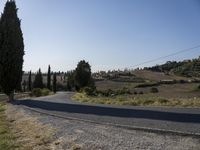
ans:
(186, 68)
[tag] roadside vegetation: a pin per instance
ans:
(7, 138)
(140, 100)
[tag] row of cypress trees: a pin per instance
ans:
(38, 81)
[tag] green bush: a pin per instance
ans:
(45, 92)
(147, 85)
(37, 92)
(154, 90)
(90, 91)
(40, 92)
(123, 91)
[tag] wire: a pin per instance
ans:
(163, 57)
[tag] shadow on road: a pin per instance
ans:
(109, 111)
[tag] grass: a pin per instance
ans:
(7, 139)
(142, 100)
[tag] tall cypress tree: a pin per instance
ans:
(49, 78)
(11, 50)
(38, 82)
(30, 81)
(54, 83)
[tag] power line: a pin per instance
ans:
(163, 57)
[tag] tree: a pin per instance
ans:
(54, 83)
(83, 75)
(11, 50)
(49, 78)
(30, 81)
(38, 82)
(70, 80)
(24, 86)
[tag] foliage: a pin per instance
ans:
(54, 83)
(141, 92)
(139, 100)
(38, 82)
(37, 92)
(11, 49)
(49, 78)
(7, 139)
(70, 80)
(146, 85)
(24, 84)
(82, 76)
(154, 90)
(30, 81)
(90, 91)
(188, 68)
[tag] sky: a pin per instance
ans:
(109, 34)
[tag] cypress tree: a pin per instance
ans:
(30, 81)
(54, 83)
(24, 86)
(49, 78)
(11, 50)
(38, 82)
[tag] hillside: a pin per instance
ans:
(186, 68)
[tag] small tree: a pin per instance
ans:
(70, 80)
(54, 83)
(11, 50)
(49, 78)
(24, 86)
(83, 75)
(30, 81)
(38, 82)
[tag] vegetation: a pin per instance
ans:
(154, 90)
(70, 80)
(24, 85)
(188, 68)
(11, 50)
(30, 81)
(49, 78)
(140, 100)
(7, 139)
(83, 75)
(38, 83)
(37, 92)
(54, 83)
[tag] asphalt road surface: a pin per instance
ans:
(184, 120)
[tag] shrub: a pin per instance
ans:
(141, 92)
(147, 85)
(45, 92)
(90, 91)
(37, 92)
(123, 91)
(40, 92)
(154, 90)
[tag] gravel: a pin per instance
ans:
(75, 135)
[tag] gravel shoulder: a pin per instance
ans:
(71, 134)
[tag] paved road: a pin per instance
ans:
(174, 119)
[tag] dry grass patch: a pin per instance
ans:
(30, 134)
(7, 139)
(144, 100)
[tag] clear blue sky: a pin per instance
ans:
(110, 34)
